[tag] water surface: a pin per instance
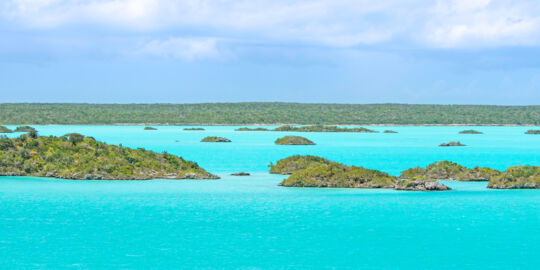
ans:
(250, 222)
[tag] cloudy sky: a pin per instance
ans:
(332, 51)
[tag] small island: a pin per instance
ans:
(533, 131)
(25, 129)
(150, 128)
(251, 129)
(4, 129)
(448, 170)
(518, 177)
(193, 129)
(215, 139)
(390, 131)
(452, 144)
(240, 174)
(339, 175)
(319, 128)
(296, 163)
(312, 171)
(470, 131)
(294, 140)
(74, 156)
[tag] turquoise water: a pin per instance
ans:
(250, 222)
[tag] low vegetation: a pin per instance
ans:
(448, 170)
(4, 129)
(251, 129)
(75, 156)
(294, 140)
(452, 144)
(296, 163)
(319, 128)
(215, 139)
(240, 174)
(470, 131)
(338, 175)
(271, 113)
(194, 129)
(313, 171)
(517, 177)
(25, 129)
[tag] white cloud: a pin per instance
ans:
(187, 49)
(483, 23)
(333, 23)
(323, 22)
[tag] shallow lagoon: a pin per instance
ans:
(250, 222)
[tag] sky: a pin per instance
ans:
(318, 51)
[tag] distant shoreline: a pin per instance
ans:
(281, 124)
(269, 114)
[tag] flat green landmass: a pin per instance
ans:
(470, 131)
(251, 129)
(320, 128)
(75, 156)
(448, 170)
(533, 131)
(5, 130)
(313, 171)
(390, 131)
(193, 129)
(215, 139)
(518, 177)
(267, 113)
(25, 129)
(150, 128)
(452, 144)
(294, 140)
(312, 128)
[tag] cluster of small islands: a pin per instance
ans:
(75, 156)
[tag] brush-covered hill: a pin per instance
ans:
(74, 156)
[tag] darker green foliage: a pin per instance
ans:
(267, 113)
(517, 177)
(470, 131)
(215, 139)
(25, 129)
(251, 129)
(294, 140)
(5, 130)
(74, 138)
(319, 128)
(74, 156)
(296, 163)
(450, 171)
(452, 144)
